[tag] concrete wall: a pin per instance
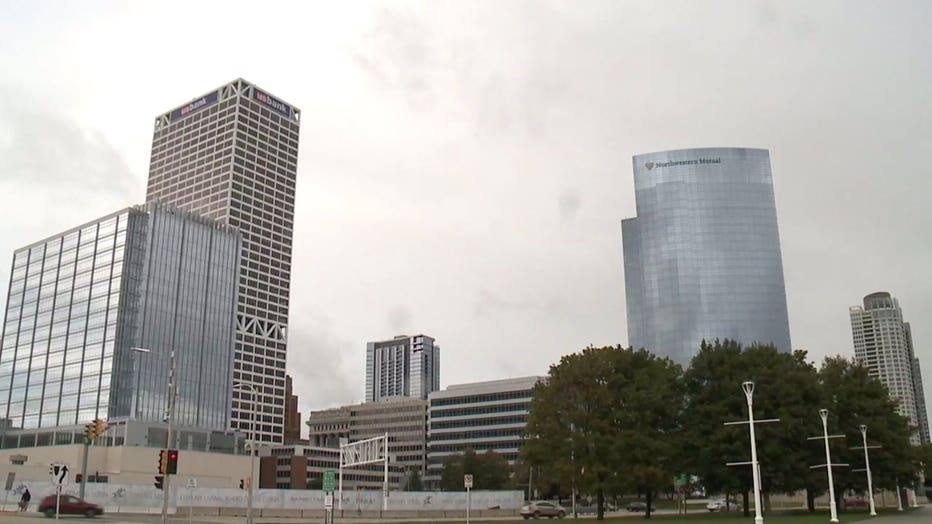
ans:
(117, 498)
(125, 465)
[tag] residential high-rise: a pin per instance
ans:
(232, 155)
(80, 301)
(702, 258)
(883, 343)
(402, 367)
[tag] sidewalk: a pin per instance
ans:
(922, 515)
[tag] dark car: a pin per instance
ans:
(636, 506)
(542, 508)
(69, 505)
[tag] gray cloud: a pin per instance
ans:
(318, 364)
(477, 156)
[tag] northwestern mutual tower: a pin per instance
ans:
(702, 258)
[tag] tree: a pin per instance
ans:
(785, 384)
(414, 482)
(489, 470)
(853, 398)
(605, 419)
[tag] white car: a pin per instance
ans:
(720, 505)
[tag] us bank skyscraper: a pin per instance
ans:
(231, 155)
(702, 258)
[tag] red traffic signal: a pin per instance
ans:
(172, 462)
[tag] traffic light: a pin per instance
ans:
(159, 481)
(95, 428)
(78, 478)
(100, 426)
(172, 464)
(163, 460)
(240, 483)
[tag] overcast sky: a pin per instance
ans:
(464, 166)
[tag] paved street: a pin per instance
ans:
(920, 516)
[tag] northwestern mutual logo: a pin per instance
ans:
(674, 163)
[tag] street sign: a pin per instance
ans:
(330, 481)
(59, 474)
(192, 483)
(681, 480)
(328, 501)
(10, 477)
(467, 481)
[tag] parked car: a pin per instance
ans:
(542, 508)
(721, 505)
(69, 505)
(637, 505)
(854, 502)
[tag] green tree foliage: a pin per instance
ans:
(854, 398)
(606, 419)
(414, 482)
(489, 470)
(786, 387)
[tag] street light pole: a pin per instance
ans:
(748, 388)
(867, 465)
(823, 413)
(252, 449)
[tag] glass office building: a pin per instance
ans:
(702, 258)
(143, 277)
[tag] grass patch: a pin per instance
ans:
(705, 517)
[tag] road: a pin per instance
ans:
(920, 516)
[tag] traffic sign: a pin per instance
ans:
(330, 481)
(328, 501)
(192, 482)
(467, 481)
(59, 474)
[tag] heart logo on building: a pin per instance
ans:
(649, 165)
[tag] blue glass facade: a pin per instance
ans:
(78, 302)
(702, 258)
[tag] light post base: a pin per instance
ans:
(758, 520)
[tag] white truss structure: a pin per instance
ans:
(364, 452)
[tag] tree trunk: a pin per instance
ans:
(600, 504)
(746, 503)
(650, 502)
(810, 500)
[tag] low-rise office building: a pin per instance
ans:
(402, 419)
(482, 416)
